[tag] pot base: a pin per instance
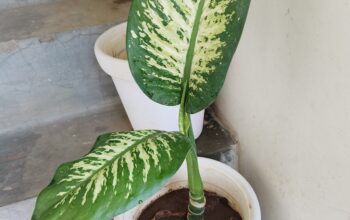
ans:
(173, 206)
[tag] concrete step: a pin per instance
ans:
(43, 81)
(54, 98)
(45, 84)
(50, 71)
(42, 20)
(8, 4)
(29, 157)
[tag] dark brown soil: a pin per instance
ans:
(173, 206)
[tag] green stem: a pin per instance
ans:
(197, 200)
(195, 184)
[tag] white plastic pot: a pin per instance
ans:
(218, 178)
(143, 113)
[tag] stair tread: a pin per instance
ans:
(59, 16)
(7, 4)
(29, 157)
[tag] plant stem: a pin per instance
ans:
(197, 200)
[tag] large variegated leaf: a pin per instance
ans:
(178, 45)
(122, 170)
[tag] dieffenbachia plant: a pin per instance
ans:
(179, 52)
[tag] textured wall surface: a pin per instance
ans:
(287, 98)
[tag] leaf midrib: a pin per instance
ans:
(189, 55)
(108, 163)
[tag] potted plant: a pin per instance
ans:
(110, 52)
(179, 53)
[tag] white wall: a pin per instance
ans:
(287, 97)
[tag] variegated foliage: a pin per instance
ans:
(121, 170)
(177, 46)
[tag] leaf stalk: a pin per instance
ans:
(197, 199)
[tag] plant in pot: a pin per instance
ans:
(179, 53)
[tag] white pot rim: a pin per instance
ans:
(232, 173)
(103, 50)
(251, 209)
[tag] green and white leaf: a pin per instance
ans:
(121, 170)
(183, 45)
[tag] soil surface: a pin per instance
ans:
(173, 206)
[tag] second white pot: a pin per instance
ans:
(143, 113)
(218, 178)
